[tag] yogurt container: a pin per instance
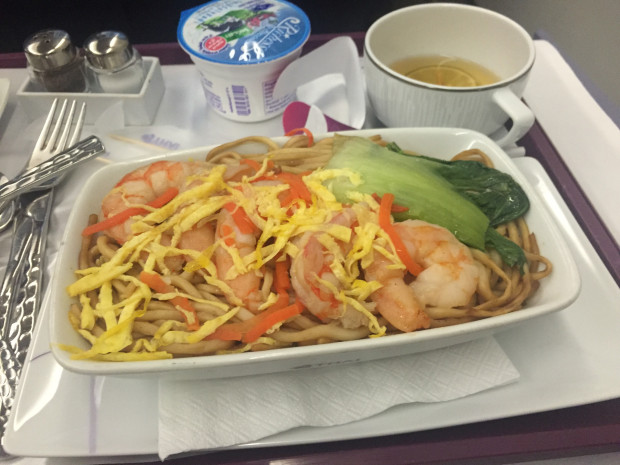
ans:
(240, 48)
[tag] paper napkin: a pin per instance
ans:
(330, 78)
(208, 414)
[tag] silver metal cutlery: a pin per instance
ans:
(8, 212)
(21, 288)
(36, 178)
(49, 159)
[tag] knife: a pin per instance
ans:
(21, 294)
(16, 325)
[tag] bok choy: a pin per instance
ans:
(466, 197)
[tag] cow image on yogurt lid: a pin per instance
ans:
(240, 48)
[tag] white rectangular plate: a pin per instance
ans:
(565, 359)
(557, 291)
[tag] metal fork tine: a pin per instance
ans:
(66, 129)
(57, 134)
(78, 126)
(51, 143)
(46, 126)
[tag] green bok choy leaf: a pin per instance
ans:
(466, 197)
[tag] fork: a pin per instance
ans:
(51, 141)
(56, 139)
(21, 289)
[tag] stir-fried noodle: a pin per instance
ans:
(244, 257)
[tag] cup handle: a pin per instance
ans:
(521, 116)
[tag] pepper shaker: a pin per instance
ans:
(112, 64)
(54, 63)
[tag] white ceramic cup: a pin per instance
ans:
(472, 33)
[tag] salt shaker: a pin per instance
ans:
(54, 63)
(112, 64)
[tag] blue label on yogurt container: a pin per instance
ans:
(243, 31)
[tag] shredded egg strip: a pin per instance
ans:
(202, 199)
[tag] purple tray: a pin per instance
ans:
(583, 430)
(537, 145)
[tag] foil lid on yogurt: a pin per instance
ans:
(240, 32)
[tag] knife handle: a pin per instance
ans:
(25, 311)
(23, 237)
(23, 307)
(51, 168)
(10, 293)
(8, 382)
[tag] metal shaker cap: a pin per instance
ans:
(109, 50)
(49, 49)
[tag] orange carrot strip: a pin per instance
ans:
(241, 218)
(228, 332)
(385, 208)
(306, 131)
(124, 215)
(399, 208)
(227, 232)
(252, 163)
(155, 282)
(297, 187)
(269, 319)
(250, 330)
(395, 207)
(299, 190)
(283, 300)
(282, 281)
(112, 221)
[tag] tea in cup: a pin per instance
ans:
(449, 65)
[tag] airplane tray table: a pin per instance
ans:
(567, 401)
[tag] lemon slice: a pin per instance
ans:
(443, 76)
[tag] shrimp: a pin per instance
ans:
(396, 301)
(142, 186)
(449, 277)
(146, 183)
(246, 285)
(315, 283)
(199, 238)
